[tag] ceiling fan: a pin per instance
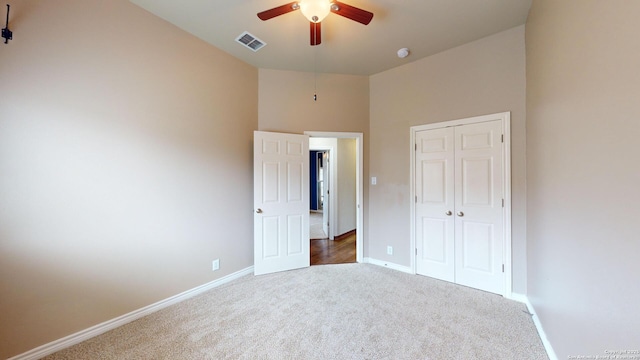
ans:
(316, 11)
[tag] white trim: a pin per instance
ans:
(74, 339)
(507, 255)
(505, 117)
(359, 183)
(412, 202)
(389, 265)
(518, 297)
(536, 321)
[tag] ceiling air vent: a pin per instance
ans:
(250, 41)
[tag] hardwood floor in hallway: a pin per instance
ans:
(339, 251)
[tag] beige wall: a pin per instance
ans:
(125, 159)
(483, 77)
(286, 102)
(583, 123)
(342, 106)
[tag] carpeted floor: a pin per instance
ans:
(347, 311)
(315, 226)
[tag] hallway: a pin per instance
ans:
(324, 251)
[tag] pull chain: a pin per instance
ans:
(6, 33)
(315, 80)
(315, 63)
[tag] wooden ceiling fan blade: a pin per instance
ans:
(352, 12)
(277, 11)
(315, 30)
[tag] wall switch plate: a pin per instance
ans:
(215, 265)
(389, 250)
(374, 180)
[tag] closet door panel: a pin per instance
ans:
(478, 206)
(434, 173)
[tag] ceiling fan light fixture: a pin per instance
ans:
(315, 10)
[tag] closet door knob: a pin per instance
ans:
(259, 211)
(448, 213)
(460, 213)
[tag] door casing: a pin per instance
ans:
(505, 118)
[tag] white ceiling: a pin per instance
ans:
(426, 27)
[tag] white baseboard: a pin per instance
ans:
(543, 336)
(73, 339)
(519, 298)
(390, 265)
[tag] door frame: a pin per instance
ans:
(505, 118)
(359, 137)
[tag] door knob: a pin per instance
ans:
(460, 213)
(259, 211)
(448, 213)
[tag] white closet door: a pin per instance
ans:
(434, 164)
(478, 206)
(459, 225)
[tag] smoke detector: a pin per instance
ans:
(403, 53)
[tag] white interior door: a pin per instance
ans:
(459, 210)
(434, 171)
(281, 201)
(479, 208)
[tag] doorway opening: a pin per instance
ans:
(319, 182)
(337, 160)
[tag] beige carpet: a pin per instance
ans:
(347, 311)
(315, 226)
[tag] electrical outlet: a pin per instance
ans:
(389, 250)
(215, 265)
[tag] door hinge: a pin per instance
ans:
(416, 251)
(502, 267)
(416, 199)
(502, 138)
(502, 202)
(415, 147)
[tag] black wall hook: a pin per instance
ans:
(6, 33)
